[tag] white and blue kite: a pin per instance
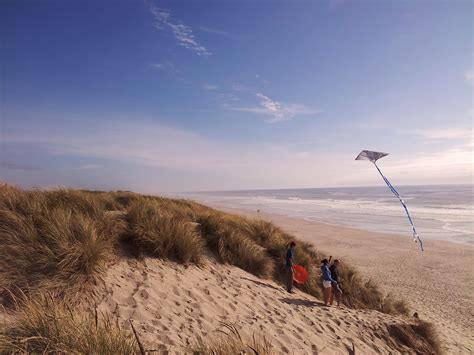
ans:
(373, 157)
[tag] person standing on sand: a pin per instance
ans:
(336, 289)
(290, 255)
(327, 281)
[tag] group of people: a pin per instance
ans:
(330, 276)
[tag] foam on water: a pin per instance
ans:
(439, 212)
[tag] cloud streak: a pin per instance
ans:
(233, 164)
(275, 110)
(18, 166)
(181, 32)
(219, 32)
(444, 133)
(469, 76)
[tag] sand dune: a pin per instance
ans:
(173, 307)
(438, 283)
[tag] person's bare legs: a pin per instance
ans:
(326, 293)
(331, 296)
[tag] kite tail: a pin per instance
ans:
(395, 192)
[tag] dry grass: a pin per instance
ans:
(230, 342)
(48, 246)
(45, 324)
(61, 239)
(155, 231)
(420, 336)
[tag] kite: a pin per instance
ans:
(299, 274)
(373, 157)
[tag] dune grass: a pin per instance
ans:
(46, 324)
(228, 341)
(420, 336)
(60, 240)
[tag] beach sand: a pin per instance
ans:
(437, 283)
(173, 307)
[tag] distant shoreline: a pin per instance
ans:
(318, 188)
(440, 212)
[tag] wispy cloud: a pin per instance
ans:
(241, 87)
(234, 164)
(18, 166)
(210, 87)
(219, 32)
(87, 167)
(444, 133)
(277, 111)
(168, 67)
(183, 33)
(469, 76)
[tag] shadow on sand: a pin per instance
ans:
(301, 302)
(261, 283)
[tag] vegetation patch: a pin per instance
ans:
(45, 324)
(60, 240)
(420, 336)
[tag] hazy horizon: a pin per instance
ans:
(165, 96)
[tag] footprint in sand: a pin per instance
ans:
(297, 336)
(143, 294)
(130, 301)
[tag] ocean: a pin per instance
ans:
(444, 212)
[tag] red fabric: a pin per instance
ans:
(300, 274)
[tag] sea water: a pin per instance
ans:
(439, 212)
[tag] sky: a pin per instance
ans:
(162, 96)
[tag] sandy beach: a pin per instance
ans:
(437, 283)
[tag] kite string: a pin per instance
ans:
(395, 192)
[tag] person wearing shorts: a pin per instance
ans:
(328, 281)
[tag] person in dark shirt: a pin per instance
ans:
(290, 255)
(328, 281)
(336, 289)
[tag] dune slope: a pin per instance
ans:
(174, 307)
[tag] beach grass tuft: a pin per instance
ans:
(44, 323)
(229, 341)
(420, 336)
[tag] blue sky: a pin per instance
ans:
(201, 95)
